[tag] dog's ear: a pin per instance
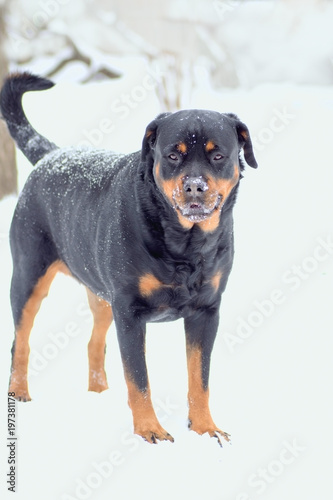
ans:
(149, 139)
(244, 140)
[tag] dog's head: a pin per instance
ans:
(196, 163)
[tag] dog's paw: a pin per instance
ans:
(217, 433)
(24, 398)
(201, 427)
(20, 395)
(154, 437)
(153, 433)
(97, 381)
(19, 389)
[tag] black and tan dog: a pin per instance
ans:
(149, 234)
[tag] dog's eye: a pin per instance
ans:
(218, 157)
(173, 157)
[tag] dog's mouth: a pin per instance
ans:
(197, 212)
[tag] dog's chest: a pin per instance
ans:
(188, 288)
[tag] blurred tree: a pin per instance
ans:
(8, 172)
(193, 43)
(179, 41)
(183, 35)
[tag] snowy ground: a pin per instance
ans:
(272, 361)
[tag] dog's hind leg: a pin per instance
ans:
(30, 285)
(102, 314)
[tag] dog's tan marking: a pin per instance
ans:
(200, 419)
(102, 314)
(145, 421)
(222, 187)
(210, 145)
(19, 373)
(148, 284)
(149, 133)
(216, 280)
(181, 147)
(168, 186)
(173, 190)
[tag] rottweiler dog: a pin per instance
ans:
(149, 234)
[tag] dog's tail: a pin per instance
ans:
(31, 143)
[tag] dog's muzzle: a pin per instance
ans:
(195, 202)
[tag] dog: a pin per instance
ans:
(149, 234)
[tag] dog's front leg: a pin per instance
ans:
(131, 334)
(200, 330)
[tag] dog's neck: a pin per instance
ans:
(179, 243)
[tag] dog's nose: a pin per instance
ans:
(195, 186)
